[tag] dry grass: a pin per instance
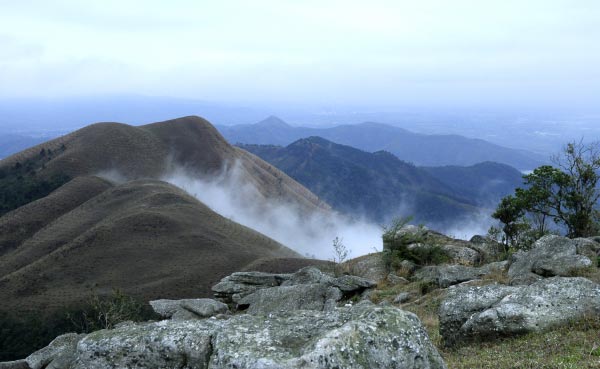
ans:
(576, 345)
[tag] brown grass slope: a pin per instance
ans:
(152, 150)
(20, 224)
(146, 237)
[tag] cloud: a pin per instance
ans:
(308, 234)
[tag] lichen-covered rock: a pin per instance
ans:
(17, 364)
(371, 267)
(550, 256)
(308, 289)
(462, 255)
(393, 279)
(488, 248)
(444, 276)
(238, 285)
(307, 275)
(58, 354)
(491, 311)
(165, 344)
(188, 308)
(362, 336)
(314, 296)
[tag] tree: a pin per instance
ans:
(566, 193)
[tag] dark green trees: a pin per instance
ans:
(567, 194)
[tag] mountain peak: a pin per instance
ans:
(272, 121)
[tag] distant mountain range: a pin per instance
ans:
(64, 229)
(380, 186)
(420, 149)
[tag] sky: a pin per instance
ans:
(372, 53)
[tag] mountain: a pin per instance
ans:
(485, 182)
(148, 151)
(420, 149)
(146, 237)
(376, 185)
(88, 210)
(380, 186)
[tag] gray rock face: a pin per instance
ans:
(550, 256)
(307, 289)
(58, 354)
(393, 279)
(18, 364)
(458, 254)
(188, 308)
(447, 275)
(362, 336)
(238, 285)
(371, 267)
(314, 296)
(491, 311)
(487, 248)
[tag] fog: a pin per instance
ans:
(312, 235)
(308, 234)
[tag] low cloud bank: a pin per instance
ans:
(308, 234)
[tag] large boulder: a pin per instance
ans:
(487, 312)
(371, 267)
(362, 336)
(447, 275)
(307, 289)
(314, 296)
(489, 249)
(58, 354)
(236, 286)
(188, 308)
(550, 256)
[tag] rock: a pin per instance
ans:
(164, 344)
(488, 249)
(444, 276)
(457, 254)
(361, 336)
(350, 284)
(408, 266)
(564, 266)
(394, 280)
(307, 289)
(18, 364)
(483, 313)
(234, 287)
(550, 256)
(462, 255)
(188, 308)
(315, 296)
(402, 298)
(412, 231)
(371, 267)
(58, 354)
(588, 247)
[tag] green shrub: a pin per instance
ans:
(23, 333)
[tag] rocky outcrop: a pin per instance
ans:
(57, 355)
(491, 311)
(489, 249)
(236, 286)
(307, 289)
(444, 276)
(188, 308)
(551, 256)
(361, 336)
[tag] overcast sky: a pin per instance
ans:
(373, 53)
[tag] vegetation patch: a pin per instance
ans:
(22, 183)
